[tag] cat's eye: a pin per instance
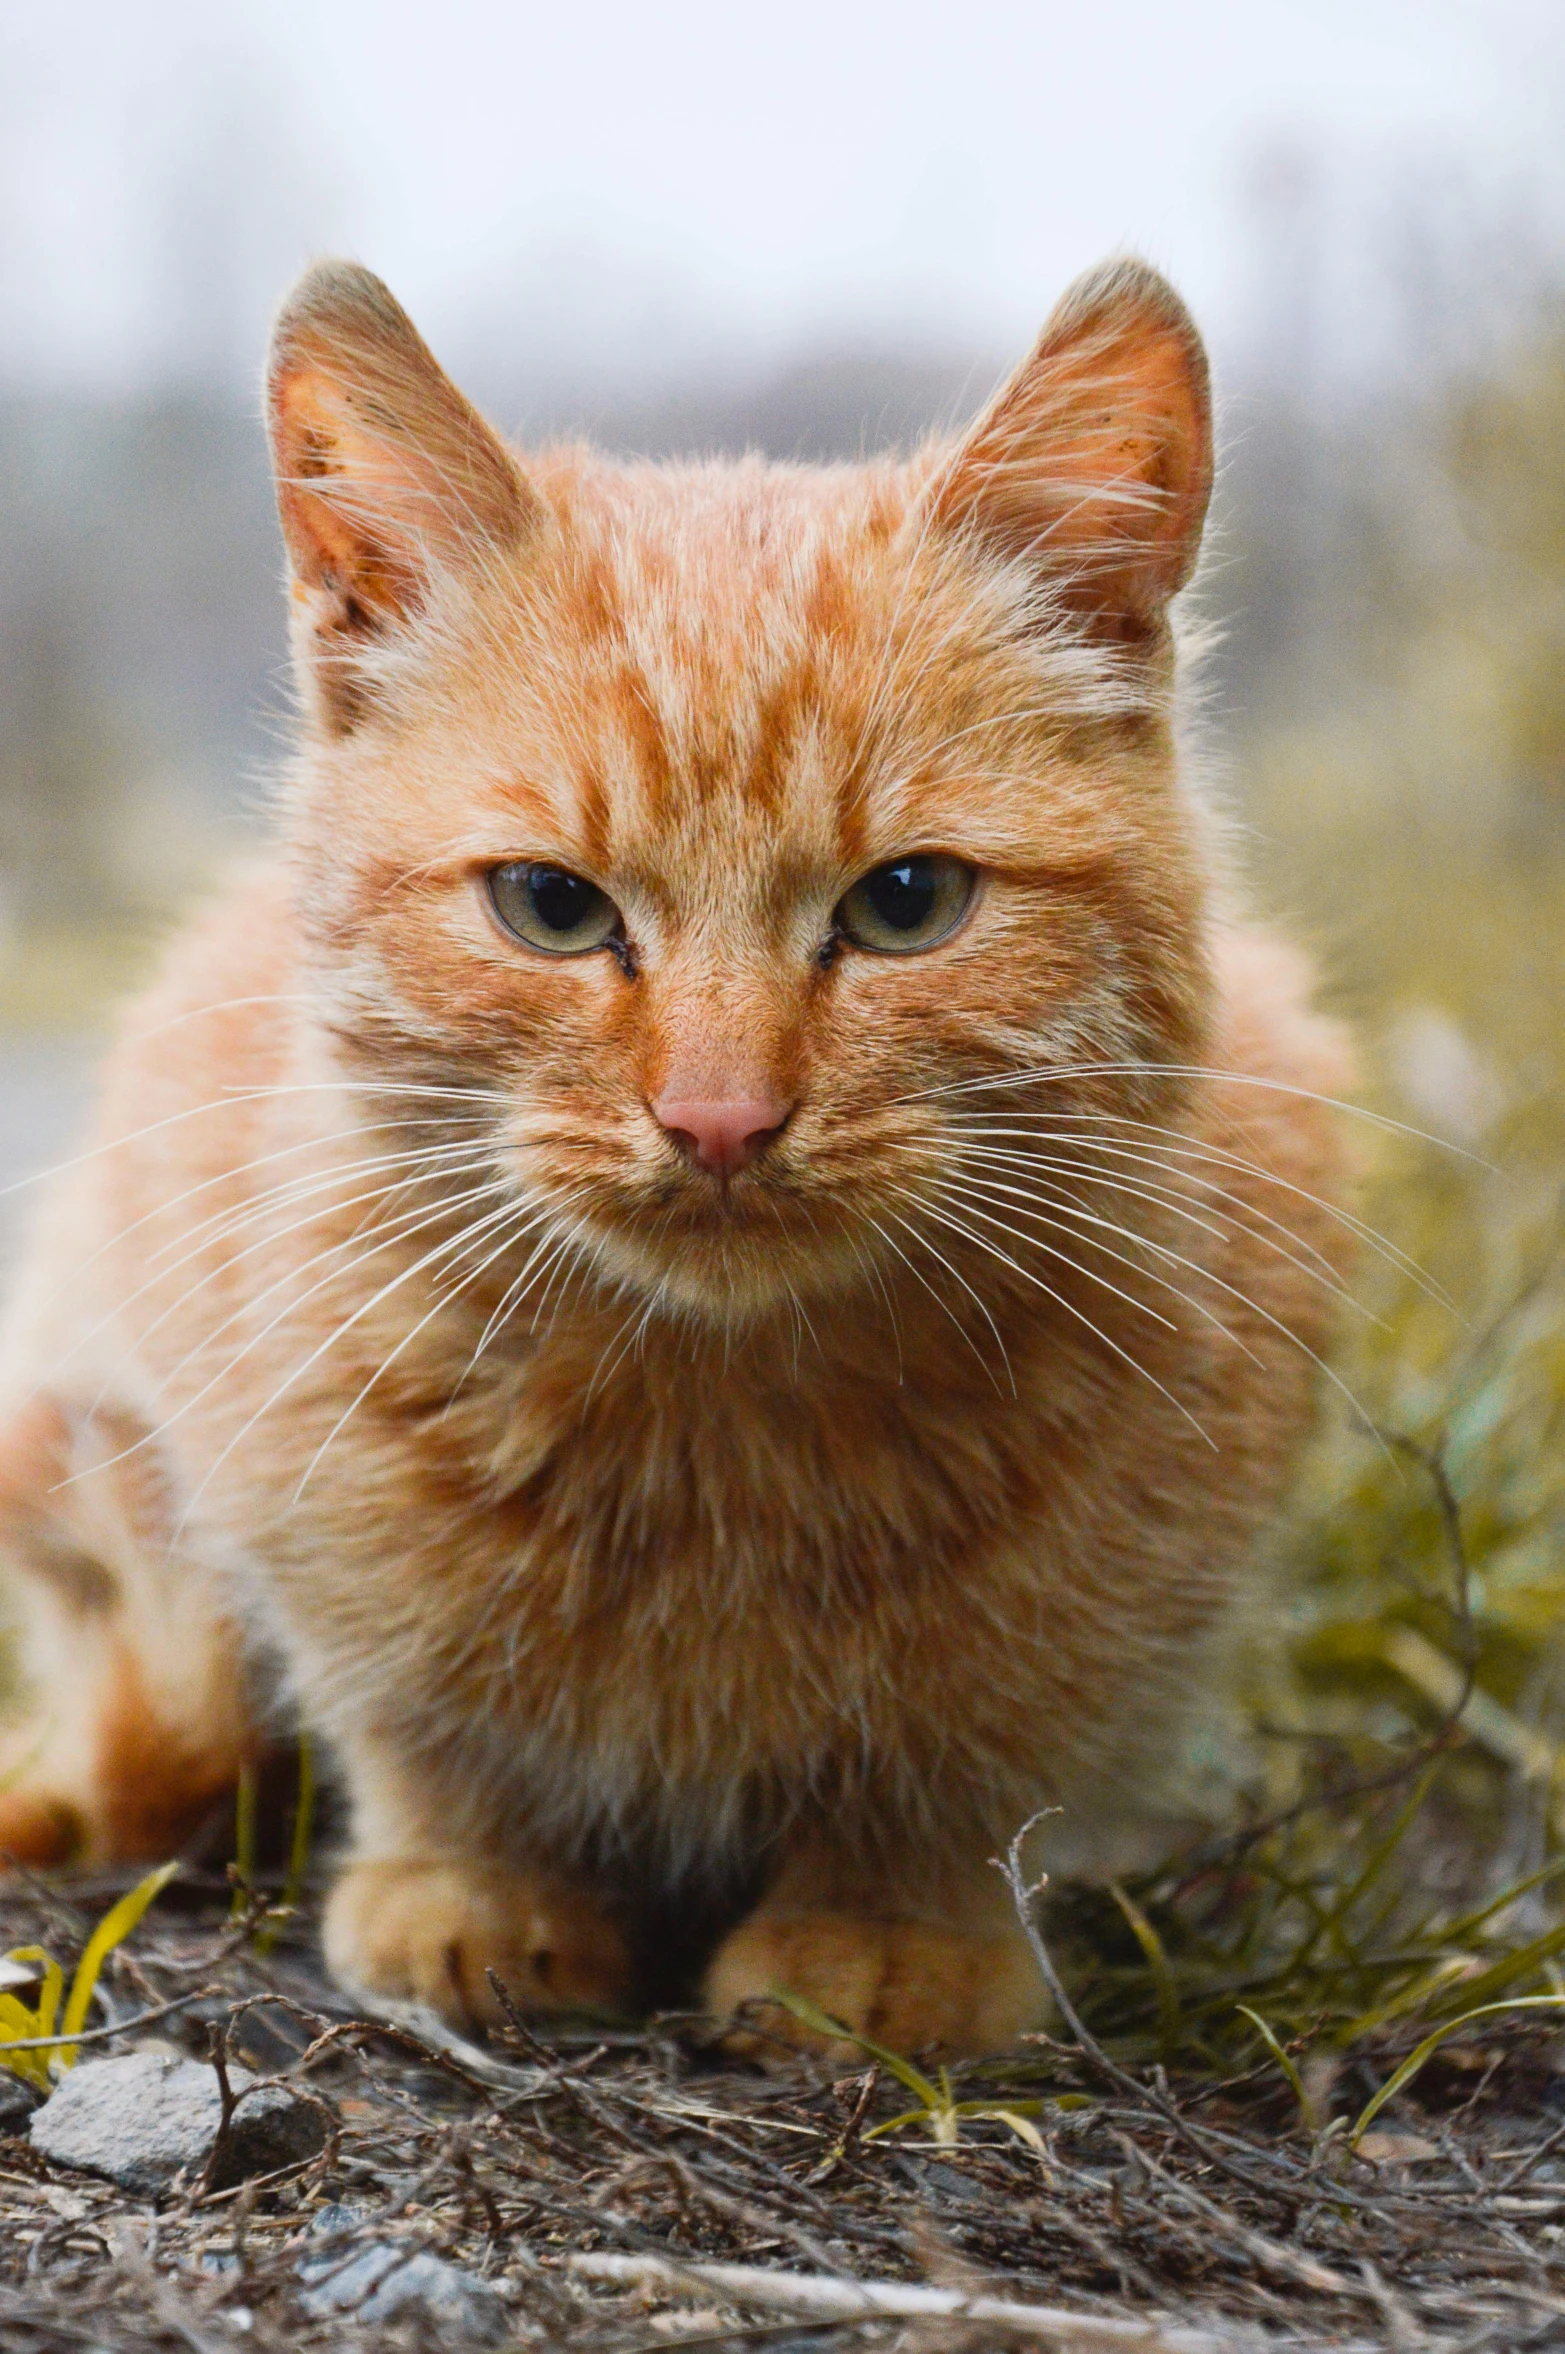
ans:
(908, 903)
(552, 909)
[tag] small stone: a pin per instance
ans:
(139, 2120)
(337, 2220)
(1396, 2146)
(381, 2283)
(18, 2100)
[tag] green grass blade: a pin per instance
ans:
(1455, 1932)
(244, 1840)
(18, 2023)
(822, 2023)
(918, 2116)
(1418, 1995)
(1526, 1962)
(1380, 1855)
(1282, 2059)
(53, 1985)
(299, 1844)
(1170, 2015)
(1410, 2067)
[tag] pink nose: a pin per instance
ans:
(722, 1137)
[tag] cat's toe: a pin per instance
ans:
(409, 1930)
(904, 1984)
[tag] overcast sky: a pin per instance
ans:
(647, 184)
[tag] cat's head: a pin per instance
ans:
(745, 837)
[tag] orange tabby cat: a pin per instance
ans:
(717, 1262)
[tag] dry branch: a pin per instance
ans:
(814, 2295)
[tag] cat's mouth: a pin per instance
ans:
(802, 1214)
(729, 1209)
(724, 1244)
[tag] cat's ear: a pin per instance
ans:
(385, 474)
(1093, 465)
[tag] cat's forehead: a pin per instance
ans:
(724, 587)
(740, 659)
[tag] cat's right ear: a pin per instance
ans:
(1092, 467)
(386, 476)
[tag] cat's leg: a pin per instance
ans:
(427, 1908)
(908, 1958)
(122, 1714)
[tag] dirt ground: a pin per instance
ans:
(1203, 2211)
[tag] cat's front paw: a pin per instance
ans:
(904, 1984)
(409, 1930)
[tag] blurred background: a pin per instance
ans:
(817, 229)
(809, 230)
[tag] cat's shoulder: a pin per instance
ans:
(1268, 1021)
(224, 996)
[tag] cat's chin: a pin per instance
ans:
(729, 1279)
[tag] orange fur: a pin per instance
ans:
(784, 1537)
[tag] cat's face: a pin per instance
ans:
(721, 826)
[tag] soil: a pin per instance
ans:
(1206, 2211)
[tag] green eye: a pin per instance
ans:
(906, 904)
(552, 909)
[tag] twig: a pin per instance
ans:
(1113, 2255)
(1306, 2271)
(1519, 2173)
(217, 2053)
(1206, 2143)
(742, 2212)
(49, 2043)
(565, 2080)
(333, 2031)
(847, 2140)
(743, 2334)
(861, 2300)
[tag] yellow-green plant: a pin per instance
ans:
(938, 2108)
(26, 2027)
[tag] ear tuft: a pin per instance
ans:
(385, 474)
(1093, 465)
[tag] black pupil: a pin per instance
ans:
(563, 902)
(903, 895)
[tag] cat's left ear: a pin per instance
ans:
(386, 475)
(1093, 465)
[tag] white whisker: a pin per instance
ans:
(1049, 1073)
(267, 1241)
(1166, 1198)
(1267, 1317)
(228, 1175)
(511, 1298)
(1182, 1147)
(335, 1275)
(1071, 1224)
(944, 1306)
(1071, 1309)
(513, 1223)
(365, 1308)
(958, 1277)
(235, 1098)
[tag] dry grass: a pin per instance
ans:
(1213, 2202)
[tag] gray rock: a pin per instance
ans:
(381, 2282)
(18, 2100)
(139, 2120)
(338, 2220)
